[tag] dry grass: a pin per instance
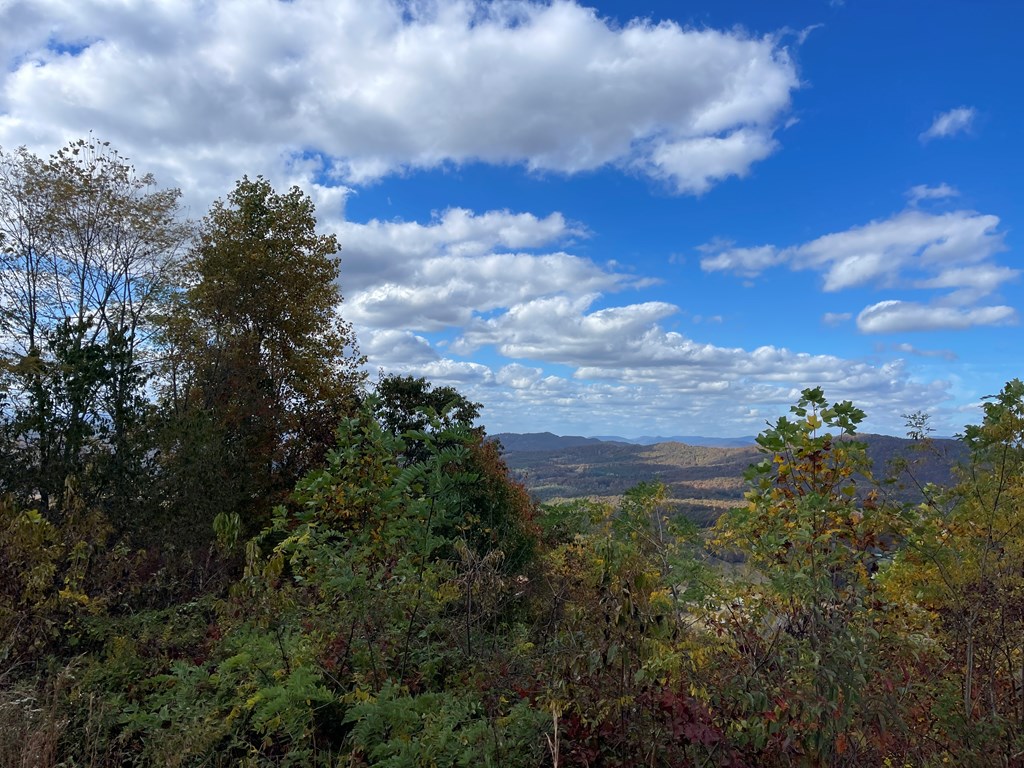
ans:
(33, 722)
(30, 728)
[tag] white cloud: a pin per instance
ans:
(457, 373)
(381, 251)
(625, 366)
(749, 262)
(970, 283)
(391, 348)
(358, 90)
(878, 252)
(950, 123)
(694, 165)
(519, 376)
(626, 344)
(432, 276)
(557, 329)
(912, 250)
(921, 192)
(449, 290)
(532, 314)
(893, 316)
(804, 33)
(912, 240)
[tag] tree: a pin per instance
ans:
(406, 404)
(88, 251)
(963, 563)
(615, 652)
(262, 366)
(498, 513)
(806, 628)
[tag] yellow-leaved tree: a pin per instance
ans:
(962, 564)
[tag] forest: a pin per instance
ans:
(221, 544)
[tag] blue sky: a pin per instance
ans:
(608, 218)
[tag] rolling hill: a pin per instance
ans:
(702, 480)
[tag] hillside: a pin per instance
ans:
(542, 441)
(721, 442)
(702, 480)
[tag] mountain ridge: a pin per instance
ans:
(543, 441)
(702, 481)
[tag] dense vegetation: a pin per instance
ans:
(218, 546)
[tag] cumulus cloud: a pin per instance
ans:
(748, 262)
(894, 316)
(535, 317)
(695, 164)
(556, 349)
(620, 360)
(557, 329)
(345, 92)
(519, 376)
(606, 400)
(449, 290)
(392, 348)
(380, 251)
(950, 123)
(432, 276)
(460, 373)
(913, 249)
(970, 283)
(627, 344)
(878, 252)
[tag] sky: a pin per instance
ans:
(606, 218)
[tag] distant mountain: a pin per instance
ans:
(541, 441)
(703, 481)
(724, 442)
(548, 441)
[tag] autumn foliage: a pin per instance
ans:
(219, 547)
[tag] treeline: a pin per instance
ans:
(219, 546)
(158, 371)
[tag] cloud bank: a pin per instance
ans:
(527, 334)
(348, 91)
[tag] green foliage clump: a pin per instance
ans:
(616, 659)
(808, 626)
(364, 626)
(52, 576)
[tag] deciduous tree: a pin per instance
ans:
(262, 366)
(805, 623)
(88, 249)
(963, 564)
